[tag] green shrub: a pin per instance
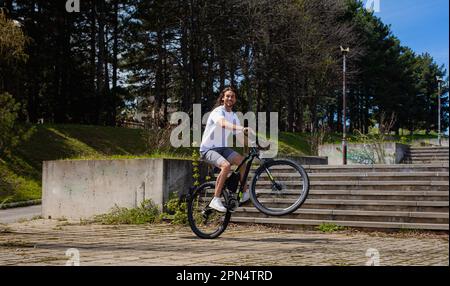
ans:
(404, 140)
(175, 210)
(147, 212)
(11, 133)
(3, 202)
(329, 227)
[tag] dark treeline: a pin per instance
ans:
(283, 56)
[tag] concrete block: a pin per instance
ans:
(364, 154)
(81, 189)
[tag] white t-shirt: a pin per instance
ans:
(216, 136)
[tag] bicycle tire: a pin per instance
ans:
(199, 213)
(269, 201)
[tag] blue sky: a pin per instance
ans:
(422, 25)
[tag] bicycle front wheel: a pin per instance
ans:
(206, 222)
(279, 187)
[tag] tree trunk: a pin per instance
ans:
(165, 81)
(107, 91)
(60, 81)
(101, 62)
(159, 71)
(247, 79)
(269, 102)
(185, 68)
(299, 122)
(209, 88)
(290, 115)
(195, 51)
(93, 53)
(113, 114)
(222, 74)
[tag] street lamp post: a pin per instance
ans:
(344, 107)
(439, 80)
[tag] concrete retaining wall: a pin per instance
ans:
(82, 189)
(365, 154)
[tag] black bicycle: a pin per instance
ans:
(278, 187)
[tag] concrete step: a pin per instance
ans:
(354, 224)
(358, 194)
(365, 185)
(376, 195)
(427, 149)
(430, 156)
(379, 195)
(429, 153)
(350, 167)
(367, 196)
(432, 167)
(368, 176)
(445, 153)
(348, 200)
(427, 157)
(425, 161)
(354, 215)
(422, 157)
(367, 205)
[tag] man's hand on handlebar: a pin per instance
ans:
(247, 131)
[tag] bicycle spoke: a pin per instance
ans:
(281, 187)
(205, 221)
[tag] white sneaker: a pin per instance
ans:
(245, 197)
(216, 204)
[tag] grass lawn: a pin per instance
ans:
(21, 173)
(294, 144)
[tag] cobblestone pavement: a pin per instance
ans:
(49, 242)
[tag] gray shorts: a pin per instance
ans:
(217, 156)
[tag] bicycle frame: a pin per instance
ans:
(248, 160)
(254, 153)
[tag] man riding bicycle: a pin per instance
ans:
(214, 148)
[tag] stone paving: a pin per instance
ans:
(50, 242)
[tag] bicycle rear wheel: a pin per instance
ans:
(279, 187)
(206, 222)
